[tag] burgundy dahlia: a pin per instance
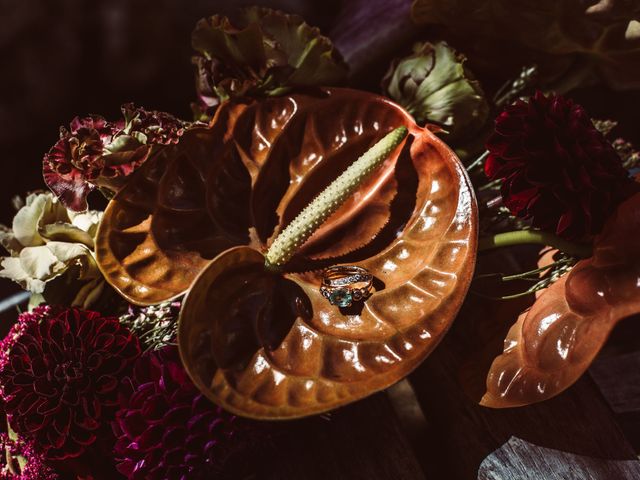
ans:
(59, 377)
(557, 170)
(166, 429)
(97, 153)
(21, 461)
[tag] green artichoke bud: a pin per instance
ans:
(435, 87)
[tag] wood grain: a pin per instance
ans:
(520, 460)
(363, 441)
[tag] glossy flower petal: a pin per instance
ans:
(244, 179)
(552, 344)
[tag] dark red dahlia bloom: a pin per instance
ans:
(97, 153)
(167, 429)
(59, 379)
(557, 169)
(33, 466)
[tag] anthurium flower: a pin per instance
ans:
(94, 152)
(551, 345)
(434, 86)
(201, 215)
(47, 242)
(262, 52)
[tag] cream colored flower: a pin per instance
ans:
(47, 242)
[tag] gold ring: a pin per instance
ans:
(344, 284)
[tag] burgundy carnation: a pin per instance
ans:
(557, 169)
(76, 161)
(97, 153)
(34, 466)
(167, 429)
(158, 128)
(60, 376)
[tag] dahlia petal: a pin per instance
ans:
(23, 379)
(174, 437)
(154, 408)
(31, 423)
(182, 431)
(82, 437)
(50, 407)
(42, 387)
(132, 424)
(55, 439)
(177, 416)
(105, 384)
(151, 438)
(549, 145)
(174, 457)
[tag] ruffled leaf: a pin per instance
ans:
(263, 52)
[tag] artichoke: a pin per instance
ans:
(434, 86)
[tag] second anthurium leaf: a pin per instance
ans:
(262, 52)
(552, 344)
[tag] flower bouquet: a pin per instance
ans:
(302, 243)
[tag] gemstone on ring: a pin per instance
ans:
(341, 297)
(344, 284)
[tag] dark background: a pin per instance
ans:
(72, 57)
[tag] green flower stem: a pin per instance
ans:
(330, 199)
(521, 237)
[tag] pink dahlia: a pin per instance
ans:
(556, 168)
(59, 377)
(166, 429)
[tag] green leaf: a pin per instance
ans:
(264, 53)
(435, 87)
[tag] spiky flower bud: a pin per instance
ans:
(330, 199)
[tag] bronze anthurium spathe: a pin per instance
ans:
(201, 215)
(552, 344)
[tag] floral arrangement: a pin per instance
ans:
(299, 245)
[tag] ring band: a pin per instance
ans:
(344, 284)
